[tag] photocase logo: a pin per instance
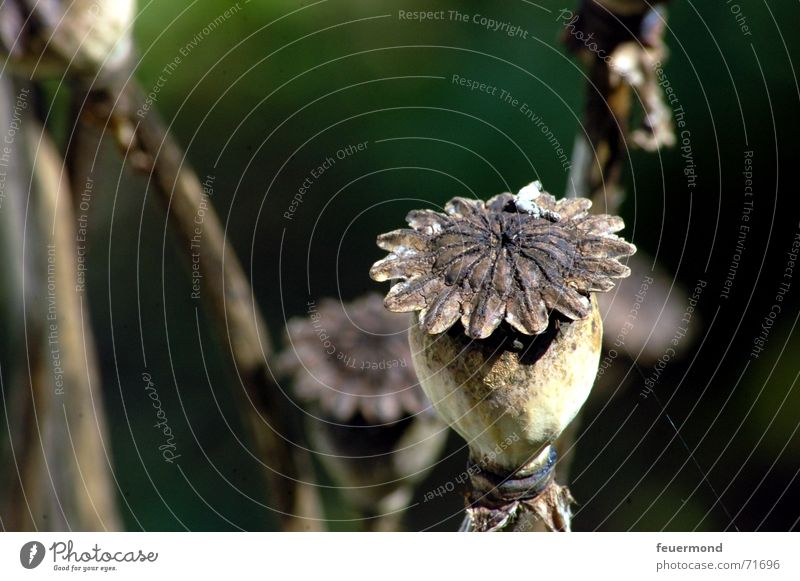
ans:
(31, 554)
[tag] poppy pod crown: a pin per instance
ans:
(516, 259)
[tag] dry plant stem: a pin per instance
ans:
(519, 503)
(17, 473)
(599, 156)
(597, 162)
(151, 150)
(598, 159)
(69, 467)
(549, 516)
(629, 32)
(82, 150)
(79, 420)
(57, 474)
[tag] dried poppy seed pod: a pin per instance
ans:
(84, 38)
(510, 396)
(509, 335)
(370, 422)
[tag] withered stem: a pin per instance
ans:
(65, 479)
(151, 150)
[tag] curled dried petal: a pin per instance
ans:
(399, 266)
(403, 238)
(445, 310)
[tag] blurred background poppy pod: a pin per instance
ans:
(369, 422)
